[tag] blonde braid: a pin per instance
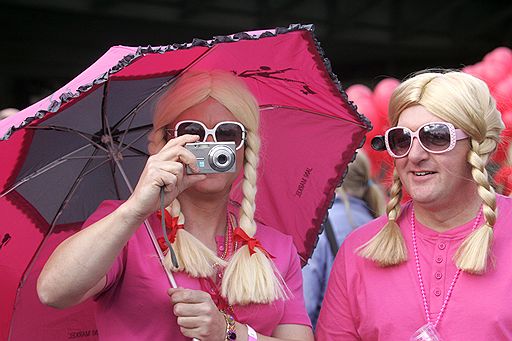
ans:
(387, 247)
(193, 256)
(475, 252)
(251, 278)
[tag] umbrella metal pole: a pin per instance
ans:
(170, 277)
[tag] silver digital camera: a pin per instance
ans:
(213, 157)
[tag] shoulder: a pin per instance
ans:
(272, 238)
(503, 202)
(504, 212)
(280, 246)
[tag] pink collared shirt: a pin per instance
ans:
(135, 305)
(367, 302)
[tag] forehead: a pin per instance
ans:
(416, 116)
(210, 112)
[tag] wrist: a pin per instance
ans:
(230, 327)
(130, 216)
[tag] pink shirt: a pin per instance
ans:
(135, 306)
(367, 302)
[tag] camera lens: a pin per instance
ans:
(221, 158)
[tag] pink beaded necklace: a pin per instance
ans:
(428, 332)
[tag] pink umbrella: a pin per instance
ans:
(87, 143)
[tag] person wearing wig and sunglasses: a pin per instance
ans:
(437, 267)
(237, 279)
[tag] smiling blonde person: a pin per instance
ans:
(238, 279)
(439, 266)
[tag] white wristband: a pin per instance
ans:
(251, 334)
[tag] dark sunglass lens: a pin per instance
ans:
(191, 128)
(435, 137)
(399, 141)
(229, 132)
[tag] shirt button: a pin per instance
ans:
(439, 259)
(221, 248)
(437, 292)
(442, 246)
(439, 275)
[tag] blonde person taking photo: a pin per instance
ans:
(437, 267)
(238, 279)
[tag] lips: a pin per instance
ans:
(422, 173)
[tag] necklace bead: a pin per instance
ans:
(420, 278)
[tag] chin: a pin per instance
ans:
(211, 185)
(422, 195)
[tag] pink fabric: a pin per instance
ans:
(135, 305)
(366, 302)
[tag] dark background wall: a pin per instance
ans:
(45, 43)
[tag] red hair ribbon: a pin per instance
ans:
(242, 237)
(172, 228)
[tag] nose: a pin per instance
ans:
(417, 153)
(209, 138)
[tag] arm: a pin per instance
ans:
(77, 268)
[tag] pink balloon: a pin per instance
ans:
(501, 55)
(493, 73)
(366, 107)
(475, 70)
(502, 92)
(357, 91)
(382, 94)
(362, 97)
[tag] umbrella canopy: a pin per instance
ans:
(87, 143)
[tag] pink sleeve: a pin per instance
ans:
(294, 308)
(335, 321)
(105, 208)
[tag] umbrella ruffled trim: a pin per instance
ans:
(55, 105)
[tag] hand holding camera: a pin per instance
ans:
(165, 169)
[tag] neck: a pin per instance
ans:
(446, 218)
(205, 216)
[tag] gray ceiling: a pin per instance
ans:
(45, 43)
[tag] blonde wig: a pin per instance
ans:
(247, 279)
(464, 101)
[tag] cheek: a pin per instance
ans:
(400, 164)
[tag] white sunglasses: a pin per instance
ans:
(224, 131)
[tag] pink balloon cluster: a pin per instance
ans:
(374, 105)
(496, 70)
